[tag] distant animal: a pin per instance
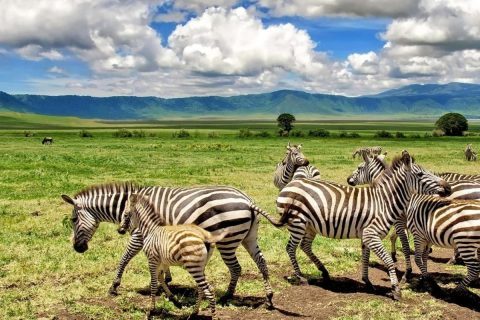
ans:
(470, 155)
(449, 224)
(369, 151)
(186, 245)
(47, 140)
(212, 208)
(293, 166)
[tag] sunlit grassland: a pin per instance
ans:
(41, 275)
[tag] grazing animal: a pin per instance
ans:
(367, 151)
(449, 224)
(47, 140)
(464, 186)
(337, 211)
(294, 164)
(186, 245)
(470, 155)
(212, 208)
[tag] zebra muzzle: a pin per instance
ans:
(122, 230)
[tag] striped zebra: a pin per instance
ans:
(187, 245)
(463, 186)
(470, 155)
(211, 208)
(342, 212)
(293, 166)
(367, 151)
(449, 224)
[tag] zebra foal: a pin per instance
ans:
(312, 207)
(449, 224)
(186, 245)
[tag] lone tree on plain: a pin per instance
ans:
(285, 122)
(453, 124)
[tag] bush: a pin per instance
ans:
(354, 135)
(28, 134)
(319, 133)
(182, 133)
(453, 124)
(212, 134)
(344, 134)
(263, 134)
(427, 135)
(438, 133)
(415, 136)
(383, 134)
(244, 133)
(152, 134)
(469, 134)
(138, 134)
(85, 134)
(297, 133)
(123, 133)
(399, 134)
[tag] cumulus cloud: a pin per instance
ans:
(57, 70)
(318, 8)
(366, 63)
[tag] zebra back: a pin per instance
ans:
(306, 172)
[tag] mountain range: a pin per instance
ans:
(410, 101)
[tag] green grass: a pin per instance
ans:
(40, 274)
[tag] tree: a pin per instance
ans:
(285, 122)
(453, 124)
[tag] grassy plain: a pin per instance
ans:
(41, 275)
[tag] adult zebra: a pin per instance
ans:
(464, 186)
(293, 166)
(212, 208)
(470, 155)
(367, 151)
(446, 223)
(342, 212)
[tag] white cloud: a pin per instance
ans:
(36, 52)
(366, 63)
(57, 70)
(318, 8)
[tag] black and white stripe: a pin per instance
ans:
(449, 224)
(185, 245)
(470, 155)
(294, 158)
(367, 151)
(211, 208)
(337, 211)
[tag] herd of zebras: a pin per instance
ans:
(181, 226)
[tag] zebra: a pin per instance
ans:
(470, 155)
(369, 151)
(337, 211)
(464, 186)
(294, 164)
(47, 140)
(211, 207)
(187, 245)
(446, 223)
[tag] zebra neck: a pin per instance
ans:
(106, 208)
(148, 221)
(394, 194)
(289, 170)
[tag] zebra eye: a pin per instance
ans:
(74, 219)
(420, 174)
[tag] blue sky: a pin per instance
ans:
(226, 47)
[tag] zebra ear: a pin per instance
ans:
(366, 158)
(67, 199)
(288, 145)
(299, 146)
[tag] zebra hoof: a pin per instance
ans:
(369, 286)
(113, 291)
(396, 293)
(326, 276)
(225, 298)
(168, 279)
(302, 281)
(268, 301)
(407, 276)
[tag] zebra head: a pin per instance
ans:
(83, 222)
(368, 170)
(422, 181)
(137, 208)
(295, 156)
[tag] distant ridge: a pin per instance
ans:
(412, 100)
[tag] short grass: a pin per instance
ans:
(41, 275)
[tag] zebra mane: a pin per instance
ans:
(397, 162)
(108, 188)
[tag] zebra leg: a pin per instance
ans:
(296, 227)
(229, 257)
(168, 276)
(372, 240)
(306, 246)
(401, 231)
(153, 266)
(133, 248)
(167, 291)
(251, 245)
(204, 286)
(393, 242)
(469, 256)
(365, 261)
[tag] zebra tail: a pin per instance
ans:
(277, 224)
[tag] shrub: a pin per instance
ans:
(152, 134)
(415, 136)
(85, 134)
(263, 134)
(469, 134)
(319, 133)
(138, 134)
(427, 135)
(453, 124)
(399, 134)
(123, 133)
(182, 133)
(212, 134)
(297, 133)
(28, 134)
(244, 133)
(354, 135)
(383, 134)
(344, 134)
(438, 133)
